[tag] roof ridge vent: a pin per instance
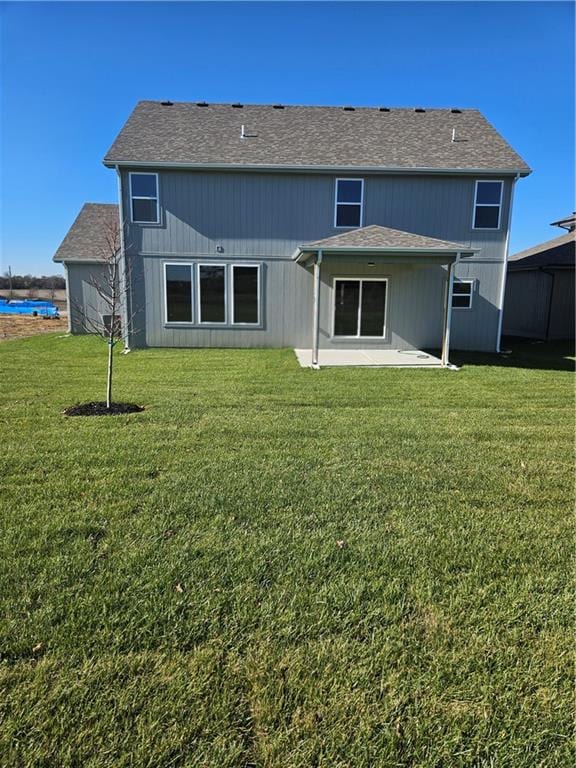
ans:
(456, 111)
(237, 106)
(383, 109)
(419, 109)
(277, 106)
(167, 103)
(349, 109)
(201, 103)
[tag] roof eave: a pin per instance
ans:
(305, 250)
(391, 169)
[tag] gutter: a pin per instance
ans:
(396, 169)
(125, 289)
(304, 251)
(505, 268)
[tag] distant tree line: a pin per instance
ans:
(50, 282)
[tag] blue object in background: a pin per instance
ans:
(29, 307)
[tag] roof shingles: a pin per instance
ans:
(301, 137)
(86, 238)
(377, 238)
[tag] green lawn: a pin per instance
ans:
(277, 567)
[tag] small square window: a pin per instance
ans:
(462, 294)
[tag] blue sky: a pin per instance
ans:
(73, 71)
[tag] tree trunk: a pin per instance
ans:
(109, 380)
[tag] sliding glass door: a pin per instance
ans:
(360, 307)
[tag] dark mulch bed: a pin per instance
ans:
(99, 409)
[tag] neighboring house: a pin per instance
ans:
(312, 227)
(540, 300)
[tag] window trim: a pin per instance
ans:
(192, 307)
(340, 278)
(233, 320)
(472, 283)
(199, 295)
(487, 205)
(144, 197)
(336, 203)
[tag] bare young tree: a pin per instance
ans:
(111, 286)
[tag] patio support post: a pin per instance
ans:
(448, 313)
(316, 316)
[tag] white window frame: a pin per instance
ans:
(341, 278)
(179, 264)
(471, 283)
(236, 266)
(336, 203)
(487, 205)
(144, 197)
(199, 295)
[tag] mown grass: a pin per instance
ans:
(274, 567)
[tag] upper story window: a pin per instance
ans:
(144, 207)
(488, 204)
(462, 294)
(349, 200)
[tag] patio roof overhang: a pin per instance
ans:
(386, 245)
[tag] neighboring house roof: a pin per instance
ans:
(86, 238)
(568, 222)
(377, 238)
(360, 138)
(559, 252)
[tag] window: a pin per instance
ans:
(178, 285)
(144, 198)
(212, 289)
(245, 294)
(487, 204)
(349, 199)
(359, 307)
(462, 294)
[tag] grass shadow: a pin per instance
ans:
(522, 353)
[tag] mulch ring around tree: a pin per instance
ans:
(99, 409)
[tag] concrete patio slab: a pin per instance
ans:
(377, 358)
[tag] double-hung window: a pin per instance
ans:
(360, 307)
(487, 204)
(178, 287)
(144, 208)
(349, 201)
(462, 291)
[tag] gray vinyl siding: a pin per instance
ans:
(263, 217)
(85, 304)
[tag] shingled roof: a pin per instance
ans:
(377, 238)
(558, 252)
(86, 238)
(275, 136)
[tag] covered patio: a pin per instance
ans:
(380, 296)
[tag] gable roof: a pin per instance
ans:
(559, 252)
(294, 137)
(86, 238)
(377, 238)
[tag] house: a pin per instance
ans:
(540, 300)
(353, 229)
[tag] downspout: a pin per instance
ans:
(505, 266)
(448, 312)
(68, 302)
(550, 300)
(125, 290)
(316, 316)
